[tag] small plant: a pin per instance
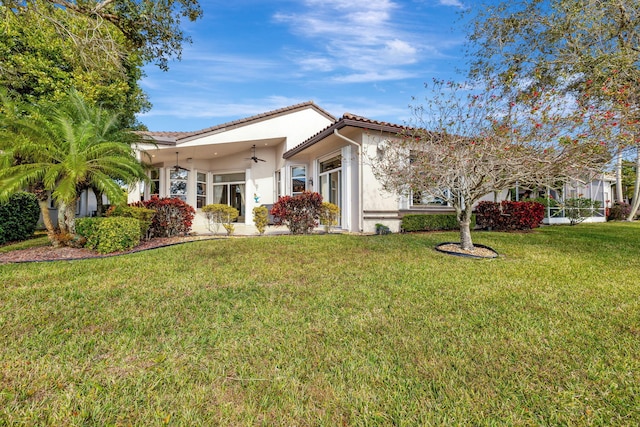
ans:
(382, 229)
(218, 214)
(173, 216)
(261, 218)
(329, 214)
(579, 208)
(619, 211)
(299, 213)
(432, 222)
(108, 234)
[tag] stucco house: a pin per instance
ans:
(255, 160)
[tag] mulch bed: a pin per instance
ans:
(49, 253)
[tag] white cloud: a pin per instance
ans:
(355, 37)
(455, 3)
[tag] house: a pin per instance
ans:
(253, 161)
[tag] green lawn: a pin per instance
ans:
(330, 330)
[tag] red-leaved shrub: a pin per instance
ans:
(299, 213)
(509, 215)
(172, 218)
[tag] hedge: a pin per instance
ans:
(19, 217)
(509, 215)
(432, 222)
(110, 234)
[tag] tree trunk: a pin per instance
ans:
(464, 221)
(62, 226)
(619, 195)
(99, 204)
(70, 218)
(48, 224)
(636, 190)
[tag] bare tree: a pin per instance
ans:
(466, 144)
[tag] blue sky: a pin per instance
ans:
(366, 57)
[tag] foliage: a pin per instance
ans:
(261, 218)
(173, 216)
(18, 217)
(507, 215)
(219, 213)
(329, 215)
(299, 213)
(65, 149)
(117, 234)
(382, 229)
(88, 227)
(150, 28)
(619, 211)
(386, 330)
(585, 50)
(45, 51)
(578, 209)
(547, 202)
(432, 222)
(466, 144)
(144, 215)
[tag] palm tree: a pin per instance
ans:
(65, 149)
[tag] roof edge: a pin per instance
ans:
(346, 120)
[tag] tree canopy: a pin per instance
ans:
(589, 49)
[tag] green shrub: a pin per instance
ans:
(88, 228)
(18, 217)
(144, 215)
(109, 234)
(432, 222)
(261, 218)
(382, 229)
(217, 214)
(118, 234)
(329, 214)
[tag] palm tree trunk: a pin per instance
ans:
(48, 224)
(70, 218)
(62, 225)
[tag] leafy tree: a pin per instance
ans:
(585, 48)
(65, 149)
(150, 27)
(465, 145)
(39, 60)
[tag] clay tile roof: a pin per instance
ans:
(347, 119)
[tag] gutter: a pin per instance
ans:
(360, 195)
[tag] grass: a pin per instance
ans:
(38, 240)
(330, 330)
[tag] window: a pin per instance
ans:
(201, 190)
(278, 184)
(298, 179)
(178, 184)
(148, 191)
(421, 198)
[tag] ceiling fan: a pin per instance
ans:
(177, 167)
(253, 155)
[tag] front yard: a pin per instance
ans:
(330, 330)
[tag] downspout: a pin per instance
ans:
(360, 195)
